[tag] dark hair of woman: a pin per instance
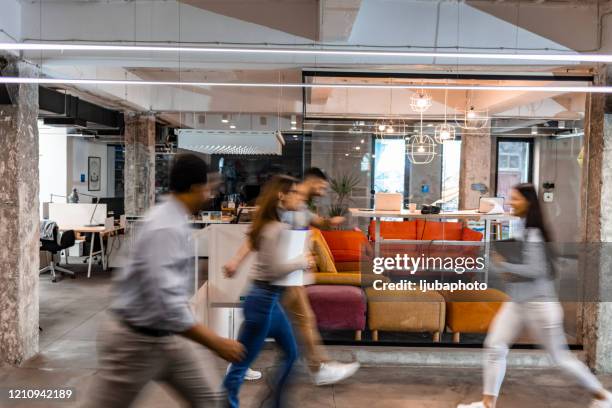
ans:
(535, 219)
(267, 204)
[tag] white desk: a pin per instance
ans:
(101, 231)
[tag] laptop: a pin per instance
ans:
(388, 201)
(491, 205)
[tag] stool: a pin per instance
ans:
(472, 311)
(338, 307)
(405, 311)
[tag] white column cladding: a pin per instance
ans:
(139, 172)
(475, 165)
(19, 220)
(596, 195)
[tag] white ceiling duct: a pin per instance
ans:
(231, 142)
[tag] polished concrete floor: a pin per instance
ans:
(71, 309)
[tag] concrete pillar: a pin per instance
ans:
(596, 263)
(19, 220)
(475, 166)
(139, 173)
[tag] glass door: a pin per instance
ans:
(514, 164)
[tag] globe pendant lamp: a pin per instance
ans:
(420, 101)
(444, 132)
(471, 118)
(421, 148)
(389, 128)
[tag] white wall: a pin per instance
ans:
(52, 163)
(79, 150)
(10, 21)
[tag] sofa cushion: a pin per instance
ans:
(436, 230)
(338, 307)
(345, 246)
(347, 278)
(394, 230)
(350, 266)
(322, 253)
(471, 235)
(405, 310)
(472, 311)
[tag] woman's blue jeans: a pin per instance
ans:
(263, 317)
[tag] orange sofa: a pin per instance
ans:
(424, 230)
(343, 258)
(428, 232)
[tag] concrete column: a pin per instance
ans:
(139, 173)
(19, 220)
(475, 166)
(596, 263)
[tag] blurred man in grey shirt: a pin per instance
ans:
(142, 340)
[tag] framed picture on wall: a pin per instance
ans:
(94, 171)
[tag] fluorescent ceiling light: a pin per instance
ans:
(226, 142)
(516, 88)
(308, 51)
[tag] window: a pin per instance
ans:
(389, 165)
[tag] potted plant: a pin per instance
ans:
(342, 187)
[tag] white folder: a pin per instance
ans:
(293, 244)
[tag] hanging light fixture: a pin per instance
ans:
(421, 148)
(389, 127)
(444, 132)
(420, 101)
(471, 118)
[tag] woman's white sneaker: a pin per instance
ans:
(333, 372)
(252, 375)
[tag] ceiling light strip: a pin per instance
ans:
(57, 81)
(308, 51)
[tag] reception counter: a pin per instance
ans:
(218, 301)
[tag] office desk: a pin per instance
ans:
(101, 232)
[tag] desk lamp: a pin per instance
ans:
(93, 213)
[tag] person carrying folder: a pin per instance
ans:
(323, 369)
(263, 315)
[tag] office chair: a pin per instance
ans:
(51, 245)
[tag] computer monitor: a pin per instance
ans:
(114, 205)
